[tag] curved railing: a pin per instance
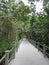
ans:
(2, 60)
(7, 57)
(42, 47)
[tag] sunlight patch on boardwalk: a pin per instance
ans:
(28, 55)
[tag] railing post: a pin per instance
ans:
(13, 53)
(44, 49)
(7, 57)
(34, 43)
(38, 45)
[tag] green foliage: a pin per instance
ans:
(39, 25)
(46, 1)
(19, 20)
(12, 18)
(5, 45)
(7, 30)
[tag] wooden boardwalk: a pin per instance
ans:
(29, 55)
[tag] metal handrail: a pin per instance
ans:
(2, 58)
(37, 44)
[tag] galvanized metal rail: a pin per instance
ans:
(42, 47)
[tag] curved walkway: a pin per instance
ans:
(28, 55)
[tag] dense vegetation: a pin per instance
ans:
(18, 19)
(7, 28)
(13, 20)
(39, 24)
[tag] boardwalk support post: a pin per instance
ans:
(44, 50)
(7, 57)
